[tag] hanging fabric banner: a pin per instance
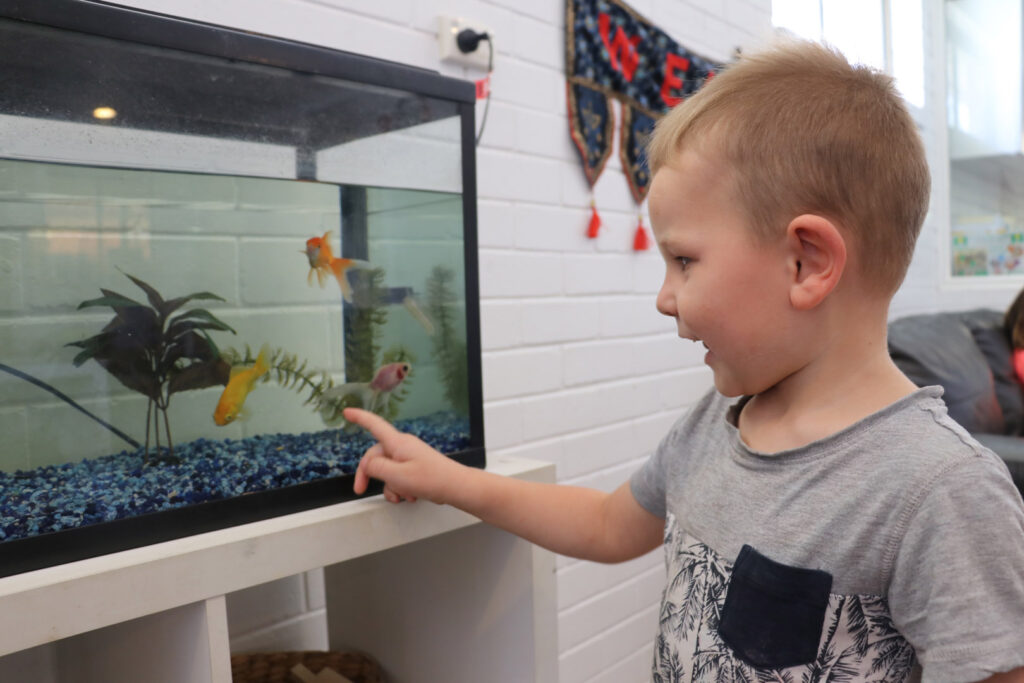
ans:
(636, 126)
(592, 125)
(612, 51)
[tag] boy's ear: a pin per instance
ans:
(816, 259)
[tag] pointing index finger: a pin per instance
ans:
(380, 428)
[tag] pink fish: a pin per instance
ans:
(371, 394)
(390, 376)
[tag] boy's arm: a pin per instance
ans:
(569, 520)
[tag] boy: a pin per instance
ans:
(823, 519)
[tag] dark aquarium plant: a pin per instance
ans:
(156, 351)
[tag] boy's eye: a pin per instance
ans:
(683, 261)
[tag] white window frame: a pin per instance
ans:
(936, 73)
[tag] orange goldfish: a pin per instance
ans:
(323, 262)
(241, 383)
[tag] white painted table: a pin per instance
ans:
(430, 591)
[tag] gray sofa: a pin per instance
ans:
(968, 353)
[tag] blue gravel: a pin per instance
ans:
(57, 497)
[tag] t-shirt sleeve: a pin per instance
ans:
(957, 588)
(648, 483)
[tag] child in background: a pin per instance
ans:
(1013, 327)
(823, 519)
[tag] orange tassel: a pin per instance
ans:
(595, 222)
(640, 240)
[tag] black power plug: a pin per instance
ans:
(468, 40)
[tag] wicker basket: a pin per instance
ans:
(276, 667)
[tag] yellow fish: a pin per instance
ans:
(241, 383)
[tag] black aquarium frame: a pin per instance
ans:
(156, 30)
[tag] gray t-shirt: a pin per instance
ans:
(919, 526)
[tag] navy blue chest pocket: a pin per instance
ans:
(774, 613)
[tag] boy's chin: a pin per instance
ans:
(727, 388)
(731, 387)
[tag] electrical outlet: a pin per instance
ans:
(448, 28)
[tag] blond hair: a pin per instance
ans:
(803, 131)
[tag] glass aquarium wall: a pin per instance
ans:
(203, 261)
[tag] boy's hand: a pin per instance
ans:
(569, 520)
(409, 468)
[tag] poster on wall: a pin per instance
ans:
(986, 244)
(612, 52)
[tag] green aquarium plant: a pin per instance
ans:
(286, 369)
(156, 350)
(364, 321)
(449, 347)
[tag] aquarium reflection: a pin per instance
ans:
(169, 338)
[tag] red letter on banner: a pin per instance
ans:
(621, 50)
(672, 79)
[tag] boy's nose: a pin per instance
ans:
(666, 303)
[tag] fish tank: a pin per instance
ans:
(211, 243)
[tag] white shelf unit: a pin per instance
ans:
(431, 592)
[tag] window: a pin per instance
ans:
(983, 111)
(866, 32)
